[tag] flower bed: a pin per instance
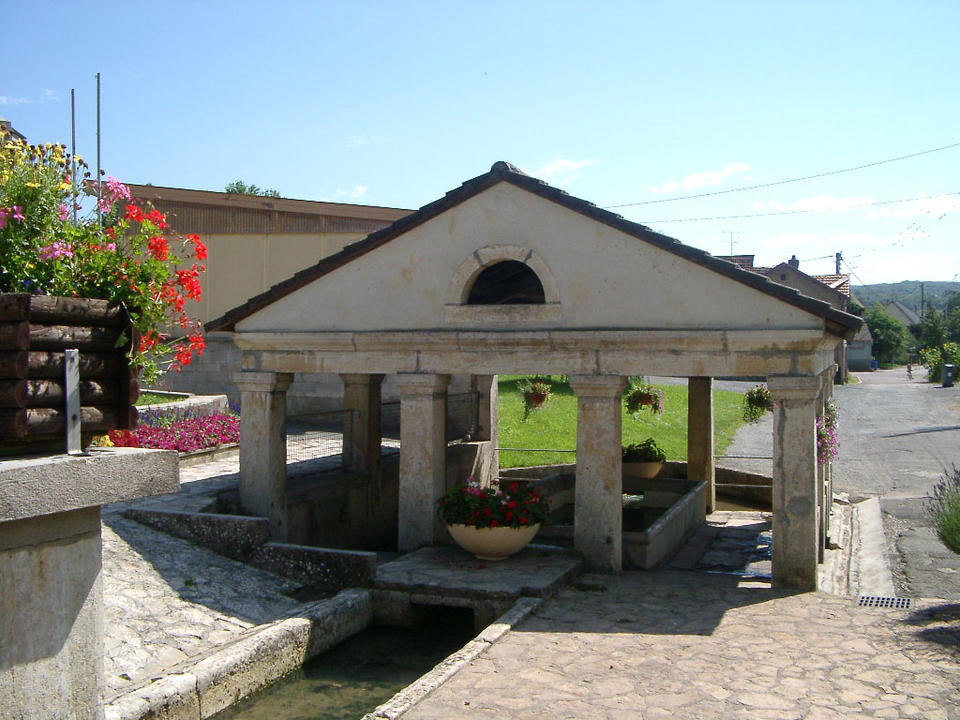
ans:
(185, 435)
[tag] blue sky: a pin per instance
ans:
(395, 103)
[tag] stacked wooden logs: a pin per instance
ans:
(34, 332)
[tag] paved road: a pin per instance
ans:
(896, 438)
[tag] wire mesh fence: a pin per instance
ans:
(318, 435)
(461, 420)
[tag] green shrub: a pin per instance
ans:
(933, 359)
(646, 451)
(944, 509)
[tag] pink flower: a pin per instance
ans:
(17, 213)
(63, 211)
(56, 250)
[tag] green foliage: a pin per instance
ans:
(944, 509)
(889, 334)
(933, 359)
(555, 426)
(646, 451)
(933, 329)
(757, 402)
(239, 187)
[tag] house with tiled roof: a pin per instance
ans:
(901, 312)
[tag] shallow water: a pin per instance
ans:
(352, 678)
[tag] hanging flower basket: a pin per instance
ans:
(536, 391)
(644, 396)
(757, 402)
(35, 330)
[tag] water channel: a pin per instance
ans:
(352, 678)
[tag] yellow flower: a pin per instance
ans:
(32, 184)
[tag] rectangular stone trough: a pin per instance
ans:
(655, 528)
(681, 506)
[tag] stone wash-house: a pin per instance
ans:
(506, 274)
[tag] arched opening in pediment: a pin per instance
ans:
(509, 282)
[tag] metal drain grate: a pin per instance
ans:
(884, 602)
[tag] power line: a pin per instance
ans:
(785, 182)
(800, 212)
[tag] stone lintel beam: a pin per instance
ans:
(423, 450)
(795, 496)
(598, 519)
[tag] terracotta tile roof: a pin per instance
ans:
(837, 322)
(840, 283)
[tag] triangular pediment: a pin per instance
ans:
(598, 272)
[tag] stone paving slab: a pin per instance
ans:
(675, 644)
(445, 570)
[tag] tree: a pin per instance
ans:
(951, 315)
(239, 187)
(933, 330)
(889, 334)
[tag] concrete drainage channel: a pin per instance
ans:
(203, 687)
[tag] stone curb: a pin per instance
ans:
(202, 687)
(411, 695)
(869, 569)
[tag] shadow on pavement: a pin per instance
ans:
(660, 602)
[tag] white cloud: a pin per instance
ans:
(49, 95)
(8, 100)
(821, 204)
(355, 193)
(708, 178)
(364, 139)
(921, 207)
(559, 172)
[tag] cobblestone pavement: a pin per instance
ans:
(674, 644)
(167, 601)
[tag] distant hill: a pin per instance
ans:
(907, 292)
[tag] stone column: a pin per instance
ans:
(795, 520)
(487, 393)
(487, 389)
(423, 457)
(700, 435)
(263, 447)
(361, 440)
(598, 519)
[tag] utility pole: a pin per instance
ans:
(839, 258)
(923, 303)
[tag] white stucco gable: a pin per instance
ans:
(595, 277)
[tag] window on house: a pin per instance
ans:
(783, 276)
(507, 283)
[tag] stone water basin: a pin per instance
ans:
(659, 514)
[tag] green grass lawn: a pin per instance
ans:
(149, 398)
(555, 426)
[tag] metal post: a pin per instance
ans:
(72, 387)
(73, 156)
(99, 212)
